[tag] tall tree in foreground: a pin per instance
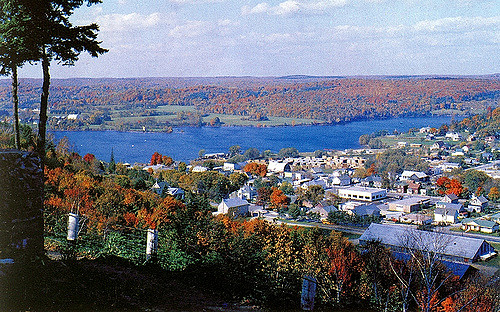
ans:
(59, 40)
(16, 48)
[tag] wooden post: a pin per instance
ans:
(308, 293)
(73, 220)
(151, 243)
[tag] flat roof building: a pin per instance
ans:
(362, 193)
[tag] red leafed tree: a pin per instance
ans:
(450, 186)
(156, 159)
(344, 265)
(89, 157)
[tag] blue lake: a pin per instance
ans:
(184, 143)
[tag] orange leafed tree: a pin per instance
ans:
(278, 199)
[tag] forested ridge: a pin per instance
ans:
(327, 99)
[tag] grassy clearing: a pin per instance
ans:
(168, 113)
(236, 120)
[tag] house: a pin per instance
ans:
(365, 210)
(372, 181)
(446, 215)
(495, 217)
(158, 187)
(439, 145)
(175, 192)
(450, 198)
(454, 136)
(401, 187)
(449, 167)
(477, 204)
(408, 204)
(231, 167)
(413, 187)
(342, 180)
(246, 192)
(414, 176)
(479, 225)
(323, 211)
(233, 206)
(362, 193)
(279, 167)
(449, 248)
(416, 218)
(199, 169)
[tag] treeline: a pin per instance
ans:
(330, 100)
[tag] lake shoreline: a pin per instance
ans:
(184, 143)
(325, 123)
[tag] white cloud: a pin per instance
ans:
(120, 22)
(291, 7)
(195, 1)
(191, 29)
(458, 24)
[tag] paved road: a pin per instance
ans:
(488, 238)
(486, 166)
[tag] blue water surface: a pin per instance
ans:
(184, 143)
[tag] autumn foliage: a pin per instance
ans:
(256, 169)
(450, 186)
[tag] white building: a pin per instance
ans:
(362, 193)
(233, 207)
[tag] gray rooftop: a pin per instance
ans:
(397, 235)
(235, 202)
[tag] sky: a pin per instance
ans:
(207, 38)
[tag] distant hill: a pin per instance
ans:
(331, 99)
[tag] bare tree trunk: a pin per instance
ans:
(15, 101)
(44, 99)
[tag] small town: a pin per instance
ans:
(237, 156)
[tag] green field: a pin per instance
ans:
(168, 113)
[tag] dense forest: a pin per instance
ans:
(327, 99)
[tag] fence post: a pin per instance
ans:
(151, 244)
(73, 220)
(308, 293)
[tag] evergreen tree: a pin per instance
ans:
(56, 39)
(112, 164)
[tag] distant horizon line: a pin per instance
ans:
(288, 77)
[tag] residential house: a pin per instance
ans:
(449, 167)
(448, 213)
(176, 192)
(199, 169)
(416, 218)
(245, 192)
(158, 187)
(450, 198)
(414, 176)
(232, 167)
(452, 248)
(234, 207)
(372, 181)
(479, 225)
(454, 136)
(413, 187)
(323, 211)
(342, 180)
(439, 145)
(365, 210)
(477, 204)
(409, 204)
